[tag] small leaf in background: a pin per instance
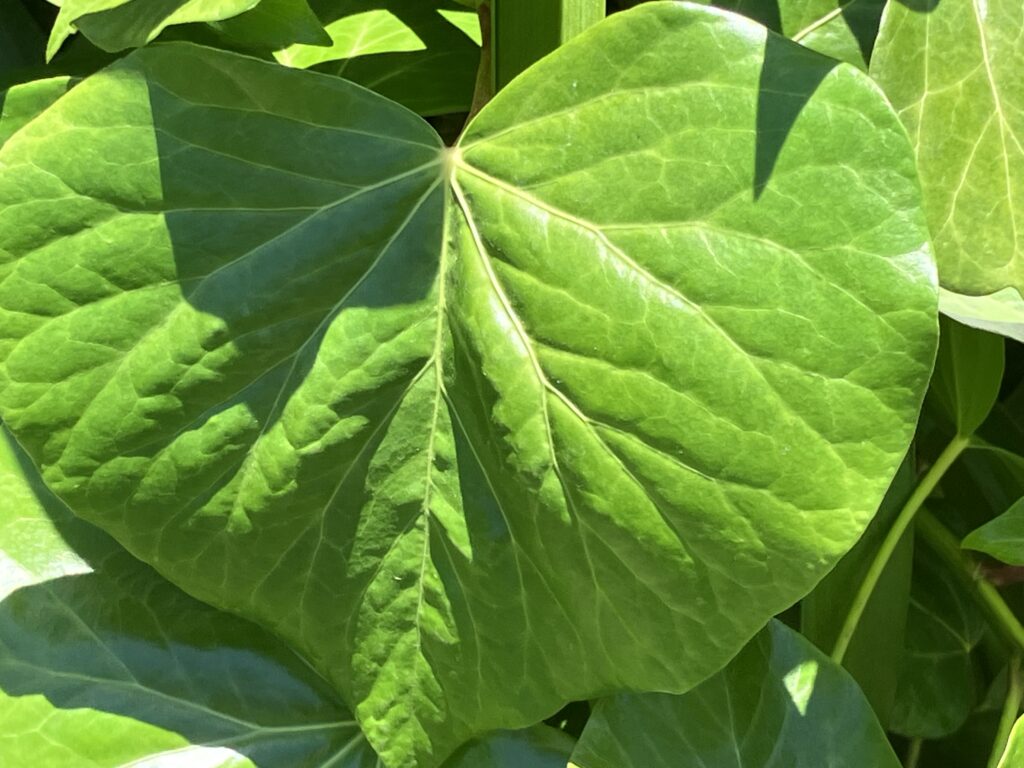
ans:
(115, 25)
(1001, 538)
(324, 372)
(875, 653)
(968, 373)
(537, 747)
(423, 54)
(937, 688)
(275, 23)
(780, 704)
(952, 69)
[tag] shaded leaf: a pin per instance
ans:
(952, 70)
(275, 23)
(1001, 538)
(968, 373)
(780, 704)
(573, 430)
(423, 54)
(937, 689)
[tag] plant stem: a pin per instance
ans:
(923, 490)
(525, 31)
(947, 547)
(913, 753)
(1014, 694)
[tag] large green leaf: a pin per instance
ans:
(421, 53)
(1003, 537)
(937, 689)
(780, 704)
(952, 70)
(103, 663)
(573, 407)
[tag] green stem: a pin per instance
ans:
(525, 31)
(913, 753)
(923, 490)
(1014, 695)
(947, 547)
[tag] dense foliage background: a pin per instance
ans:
(406, 383)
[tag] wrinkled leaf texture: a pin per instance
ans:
(572, 407)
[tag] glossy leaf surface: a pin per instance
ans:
(780, 704)
(421, 53)
(516, 416)
(103, 663)
(1001, 538)
(952, 70)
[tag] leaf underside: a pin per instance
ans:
(573, 407)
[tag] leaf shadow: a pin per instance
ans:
(789, 77)
(120, 640)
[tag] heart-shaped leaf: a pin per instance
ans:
(780, 703)
(574, 406)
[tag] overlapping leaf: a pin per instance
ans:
(1002, 537)
(952, 70)
(115, 25)
(421, 53)
(780, 704)
(574, 406)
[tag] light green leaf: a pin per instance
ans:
(1013, 756)
(875, 653)
(423, 54)
(952, 70)
(22, 103)
(937, 690)
(1001, 538)
(1001, 312)
(780, 704)
(115, 25)
(968, 373)
(103, 663)
(592, 395)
